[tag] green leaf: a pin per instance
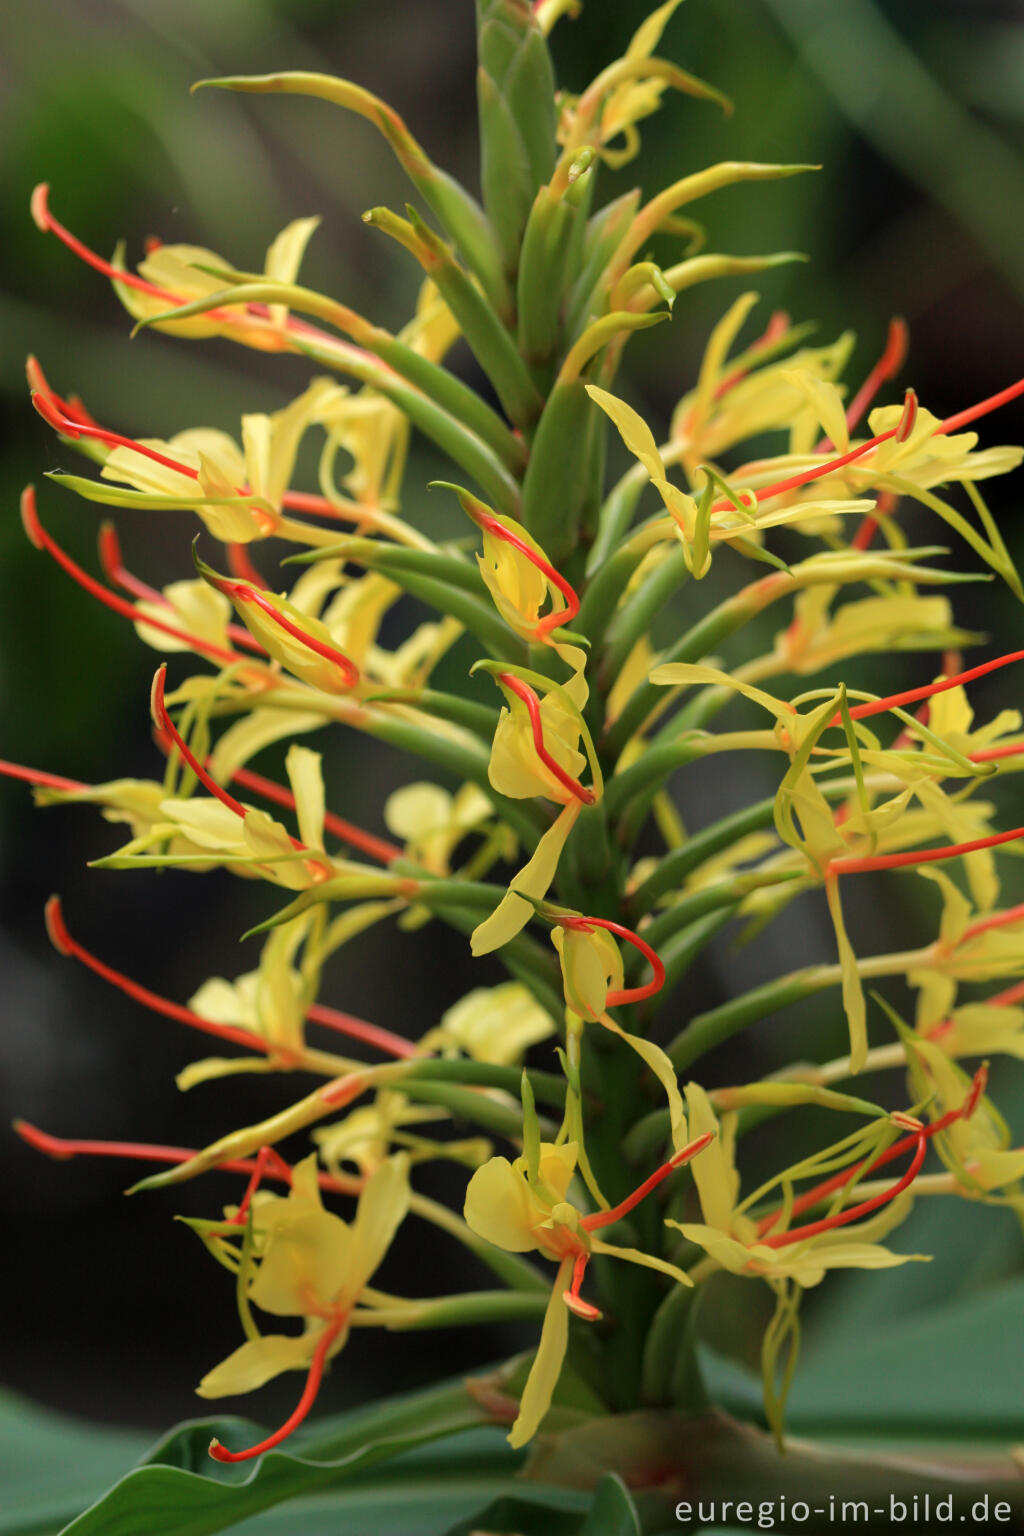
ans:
(613, 1512)
(950, 1371)
(179, 1491)
(52, 1466)
(531, 1512)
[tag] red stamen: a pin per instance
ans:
(524, 692)
(45, 221)
(62, 941)
(242, 567)
(243, 593)
(51, 412)
(807, 475)
(164, 723)
(927, 856)
(266, 1158)
(829, 1186)
(305, 1403)
(630, 994)
(854, 1212)
(890, 363)
(375, 847)
(684, 1155)
(319, 506)
(777, 326)
(572, 603)
(572, 1298)
(36, 776)
(359, 1029)
(928, 691)
(42, 540)
(37, 382)
(1009, 998)
(906, 422)
(964, 418)
(63, 1148)
(118, 574)
(1005, 919)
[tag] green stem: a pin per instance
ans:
(638, 614)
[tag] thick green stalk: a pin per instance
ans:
(639, 612)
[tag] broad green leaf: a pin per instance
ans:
(52, 1466)
(613, 1512)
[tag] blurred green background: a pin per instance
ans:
(914, 110)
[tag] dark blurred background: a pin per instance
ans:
(913, 108)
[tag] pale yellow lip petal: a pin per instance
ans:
(498, 1208)
(256, 1362)
(383, 1205)
(307, 1262)
(547, 1364)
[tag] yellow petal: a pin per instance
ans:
(382, 1208)
(547, 1364)
(258, 1361)
(498, 1207)
(633, 430)
(513, 913)
(307, 1261)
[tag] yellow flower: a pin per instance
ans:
(432, 822)
(524, 1209)
(493, 1024)
(311, 1265)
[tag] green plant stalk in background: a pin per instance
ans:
(625, 1173)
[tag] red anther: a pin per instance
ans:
(927, 856)
(375, 847)
(572, 603)
(36, 776)
(853, 1212)
(63, 942)
(164, 723)
(42, 540)
(890, 363)
(243, 593)
(572, 1298)
(777, 326)
(152, 243)
(905, 425)
(684, 1155)
(943, 685)
(146, 1152)
(630, 994)
(73, 407)
(829, 1187)
(524, 692)
(305, 1403)
(359, 1029)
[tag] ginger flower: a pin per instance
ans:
(535, 751)
(307, 1263)
(524, 1206)
(494, 1024)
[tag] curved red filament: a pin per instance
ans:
(243, 593)
(572, 1298)
(66, 945)
(853, 866)
(821, 1191)
(305, 1403)
(524, 692)
(684, 1155)
(551, 621)
(891, 361)
(929, 690)
(164, 723)
(64, 1148)
(359, 1029)
(42, 540)
(853, 1212)
(629, 994)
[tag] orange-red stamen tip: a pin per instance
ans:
(42, 1141)
(56, 927)
(906, 422)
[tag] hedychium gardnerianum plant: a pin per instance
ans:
(605, 1156)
